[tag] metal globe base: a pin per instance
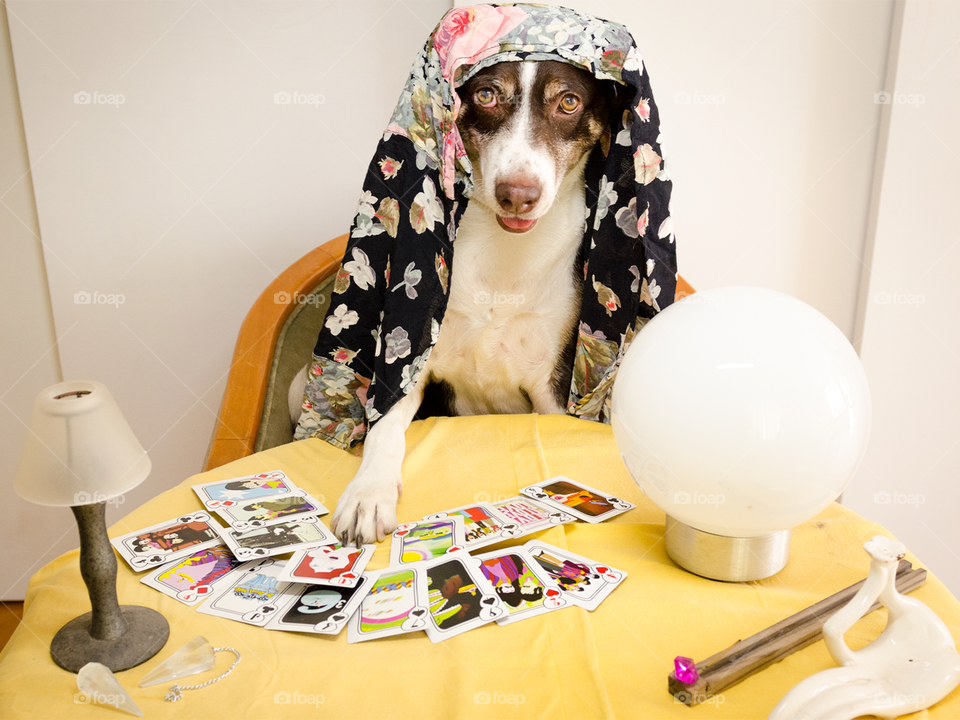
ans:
(720, 557)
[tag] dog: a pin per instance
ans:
(508, 336)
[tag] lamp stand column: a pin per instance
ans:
(119, 637)
(98, 566)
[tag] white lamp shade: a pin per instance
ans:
(79, 449)
(741, 411)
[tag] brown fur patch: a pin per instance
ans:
(477, 123)
(568, 135)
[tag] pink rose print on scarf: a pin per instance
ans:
(643, 110)
(343, 356)
(646, 164)
(390, 167)
(467, 35)
(452, 149)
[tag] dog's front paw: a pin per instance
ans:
(366, 512)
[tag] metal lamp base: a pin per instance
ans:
(147, 632)
(719, 557)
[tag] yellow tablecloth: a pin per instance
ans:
(612, 662)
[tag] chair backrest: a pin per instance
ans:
(243, 408)
(293, 350)
(275, 341)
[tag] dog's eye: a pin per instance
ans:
(485, 97)
(569, 104)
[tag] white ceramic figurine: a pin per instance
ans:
(912, 665)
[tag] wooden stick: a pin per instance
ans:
(747, 657)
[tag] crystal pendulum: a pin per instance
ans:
(196, 656)
(101, 687)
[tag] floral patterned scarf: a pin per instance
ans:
(391, 291)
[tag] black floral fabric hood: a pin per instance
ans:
(391, 291)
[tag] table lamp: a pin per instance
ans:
(80, 453)
(741, 412)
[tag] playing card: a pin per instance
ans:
(581, 501)
(481, 524)
(278, 539)
(318, 609)
(394, 605)
(528, 515)
(583, 581)
(227, 493)
(525, 589)
(459, 596)
(251, 594)
(193, 579)
(251, 514)
(328, 565)
(426, 539)
(165, 542)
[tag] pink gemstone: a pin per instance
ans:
(686, 670)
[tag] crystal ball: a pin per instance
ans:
(741, 411)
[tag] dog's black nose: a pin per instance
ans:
(519, 197)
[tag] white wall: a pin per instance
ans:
(193, 194)
(770, 130)
(28, 354)
(910, 332)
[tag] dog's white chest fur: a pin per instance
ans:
(512, 304)
(514, 297)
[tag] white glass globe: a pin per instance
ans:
(741, 411)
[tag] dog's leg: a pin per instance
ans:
(367, 510)
(544, 400)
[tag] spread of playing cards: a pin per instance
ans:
(270, 561)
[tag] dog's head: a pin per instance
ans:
(525, 125)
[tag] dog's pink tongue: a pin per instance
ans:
(517, 223)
